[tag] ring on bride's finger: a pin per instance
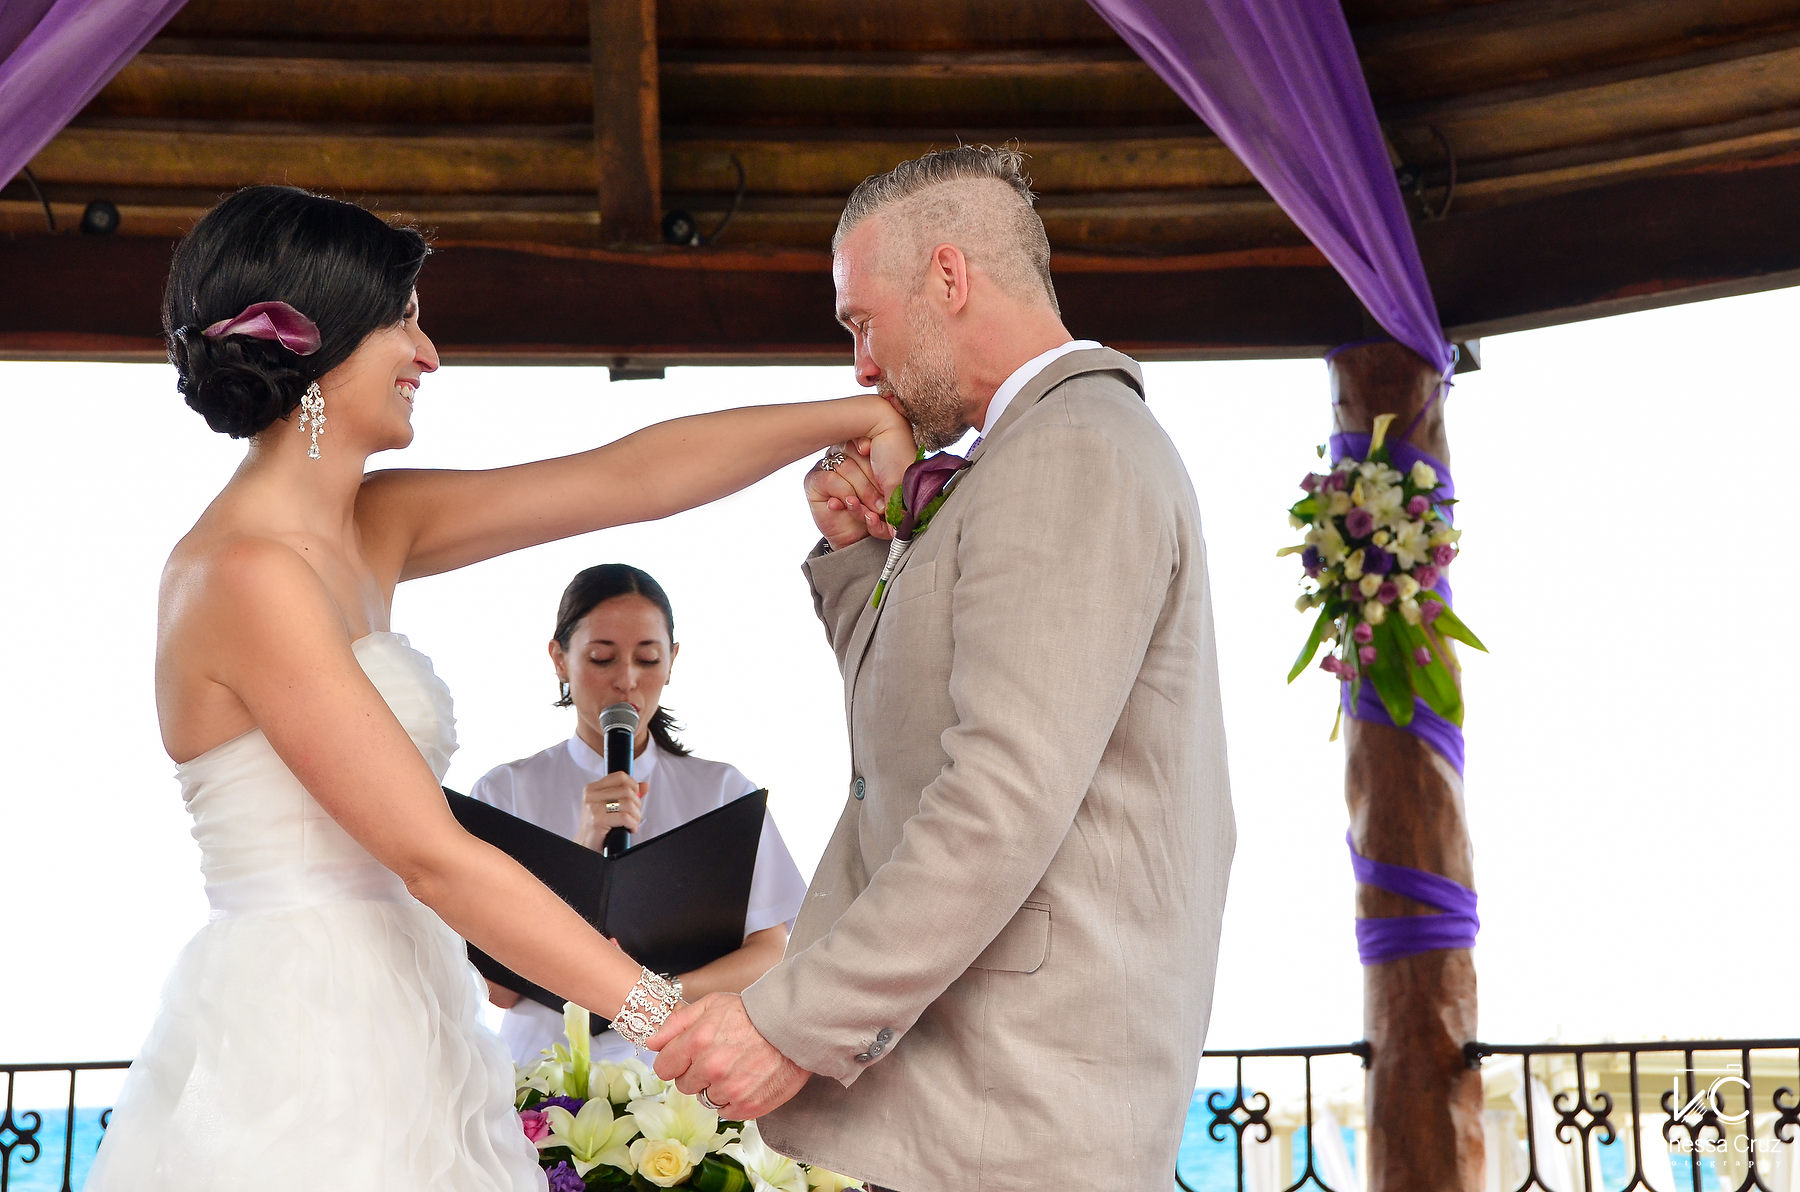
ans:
(612, 807)
(832, 459)
(708, 1101)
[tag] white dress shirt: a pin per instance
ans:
(1022, 375)
(546, 789)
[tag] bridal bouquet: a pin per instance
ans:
(598, 1124)
(1376, 546)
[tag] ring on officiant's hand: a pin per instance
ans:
(832, 459)
(612, 807)
(708, 1101)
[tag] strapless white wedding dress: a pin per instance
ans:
(320, 1032)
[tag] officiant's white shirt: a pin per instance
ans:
(546, 789)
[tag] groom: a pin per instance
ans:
(1001, 975)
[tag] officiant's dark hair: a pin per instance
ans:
(593, 587)
(336, 263)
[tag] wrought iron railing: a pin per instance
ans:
(1244, 1115)
(1694, 1114)
(1668, 1116)
(23, 1140)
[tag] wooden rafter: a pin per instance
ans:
(627, 119)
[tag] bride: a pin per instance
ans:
(320, 1031)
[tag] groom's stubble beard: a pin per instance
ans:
(924, 385)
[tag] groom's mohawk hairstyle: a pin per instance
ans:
(973, 196)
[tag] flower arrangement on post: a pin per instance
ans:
(1376, 547)
(598, 1124)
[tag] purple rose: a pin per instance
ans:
(1337, 482)
(1427, 576)
(1418, 505)
(1388, 592)
(1366, 653)
(922, 483)
(1376, 561)
(1430, 610)
(1312, 560)
(1311, 483)
(1422, 656)
(1443, 554)
(563, 1178)
(1359, 523)
(1364, 632)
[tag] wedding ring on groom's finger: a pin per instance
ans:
(832, 459)
(708, 1101)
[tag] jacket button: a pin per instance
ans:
(885, 1034)
(863, 1057)
(858, 787)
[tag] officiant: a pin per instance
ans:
(615, 642)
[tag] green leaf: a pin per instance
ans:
(1432, 682)
(1319, 629)
(1388, 673)
(1306, 508)
(1451, 625)
(719, 1174)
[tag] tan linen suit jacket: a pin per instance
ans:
(1004, 965)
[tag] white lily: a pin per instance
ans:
(624, 1082)
(679, 1118)
(1386, 502)
(820, 1180)
(1411, 545)
(593, 1136)
(769, 1171)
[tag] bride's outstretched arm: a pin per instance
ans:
(422, 522)
(273, 637)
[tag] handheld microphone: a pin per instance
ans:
(618, 725)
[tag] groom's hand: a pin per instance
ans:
(713, 1045)
(846, 500)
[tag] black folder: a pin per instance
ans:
(674, 902)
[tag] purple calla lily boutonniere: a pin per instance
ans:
(912, 505)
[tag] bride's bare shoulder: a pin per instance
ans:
(221, 574)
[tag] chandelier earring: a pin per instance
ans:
(312, 416)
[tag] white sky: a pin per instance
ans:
(1628, 562)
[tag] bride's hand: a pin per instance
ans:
(889, 446)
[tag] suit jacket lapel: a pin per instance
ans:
(1061, 369)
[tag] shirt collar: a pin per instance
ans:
(1023, 376)
(592, 762)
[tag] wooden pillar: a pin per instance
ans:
(1406, 808)
(627, 120)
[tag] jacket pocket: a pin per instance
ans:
(1022, 944)
(916, 579)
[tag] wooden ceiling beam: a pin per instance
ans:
(364, 161)
(627, 119)
(1441, 49)
(1711, 88)
(1631, 245)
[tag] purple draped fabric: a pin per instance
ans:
(55, 55)
(1279, 82)
(1383, 939)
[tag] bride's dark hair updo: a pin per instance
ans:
(334, 262)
